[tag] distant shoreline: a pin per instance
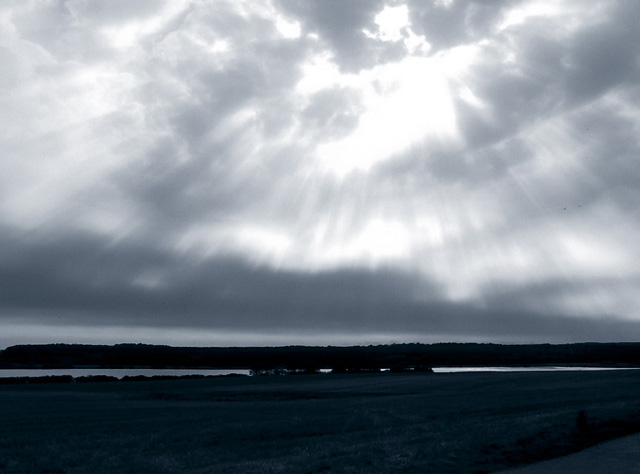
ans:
(146, 370)
(310, 359)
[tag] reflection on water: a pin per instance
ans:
(448, 370)
(119, 373)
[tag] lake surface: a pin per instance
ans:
(450, 370)
(119, 373)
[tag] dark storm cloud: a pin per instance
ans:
(604, 56)
(60, 275)
(57, 278)
(545, 294)
(612, 155)
(451, 24)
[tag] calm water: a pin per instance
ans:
(448, 370)
(119, 373)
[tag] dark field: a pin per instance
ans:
(378, 423)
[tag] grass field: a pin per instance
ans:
(378, 423)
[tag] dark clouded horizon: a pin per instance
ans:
(319, 172)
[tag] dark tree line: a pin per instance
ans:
(309, 359)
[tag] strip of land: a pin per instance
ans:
(377, 423)
(310, 359)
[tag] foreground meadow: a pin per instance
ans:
(377, 423)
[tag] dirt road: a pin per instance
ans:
(620, 456)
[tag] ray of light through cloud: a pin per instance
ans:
(298, 171)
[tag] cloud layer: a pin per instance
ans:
(336, 171)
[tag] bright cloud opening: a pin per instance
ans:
(404, 103)
(391, 22)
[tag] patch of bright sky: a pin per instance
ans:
(574, 247)
(409, 102)
(127, 34)
(321, 73)
(573, 14)
(444, 3)
(379, 241)
(470, 98)
(520, 14)
(394, 25)
(428, 230)
(264, 243)
(404, 103)
(288, 29)
(588, 245)
(40, 187)
(261, 243)
(391, 21)
(597, 244)
(218, 48)
(590, 254)
(578, 247)
(483, 246)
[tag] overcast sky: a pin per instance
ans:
(319, 171)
